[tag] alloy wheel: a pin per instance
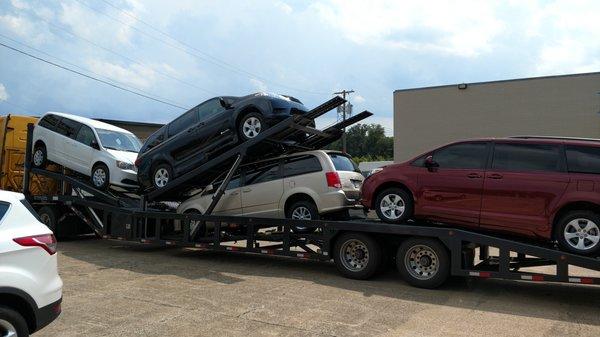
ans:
(99, 177)
(392, 206)
(7, 329)
(38, 157)
(582, 234)
(251, 127)
(161, 177)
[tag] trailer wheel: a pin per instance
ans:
(357, 255)
(423, 262)
(48, 216)
(12, 323)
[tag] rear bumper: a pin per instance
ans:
(45, 315)
(337, 201)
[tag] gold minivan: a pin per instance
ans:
(305, 185)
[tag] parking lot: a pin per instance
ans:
(114, 289)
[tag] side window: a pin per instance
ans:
(419, 162)
(49, 122)
(462, 156)
(85, 135)
(526, 157)
(209, 109)
(583, 159)
(3, 209)
(301, 165)
(182, 123)
(261, 173)
(154, 139)
(235, 181)
(69, 128)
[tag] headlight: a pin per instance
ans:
(126, 166)
(379, 169)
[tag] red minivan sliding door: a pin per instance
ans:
(523, 183)
(452, 191)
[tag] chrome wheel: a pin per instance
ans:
(421, 262)
(582, 234)
(99, 177)
(38, 157)
(392, 206)
(354, 255)
(7, 329)
(161, 177)
(251, 127)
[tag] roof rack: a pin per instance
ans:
(556, 137)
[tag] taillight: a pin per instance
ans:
(137, 162)
(46, 241)
(333, 179)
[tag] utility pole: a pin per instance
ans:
(344, 93)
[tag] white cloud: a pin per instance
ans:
(3, 93)
(24, 27)
(135, 75)
(465, 28)
(358, 99)
(258, 84)
(284, 7)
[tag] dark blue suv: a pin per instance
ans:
(207, 129)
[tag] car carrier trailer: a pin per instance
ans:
(425, 254)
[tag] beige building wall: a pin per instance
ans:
(559, 106)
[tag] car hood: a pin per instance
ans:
(123, 155)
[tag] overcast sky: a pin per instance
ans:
(184, 52)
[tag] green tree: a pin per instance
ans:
(367, 142)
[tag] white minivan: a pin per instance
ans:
(99, 150)
(30, 287)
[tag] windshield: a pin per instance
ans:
(343, 163)
(120, 141)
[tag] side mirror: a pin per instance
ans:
(209, 188)
(95, 144)
(430, 163)
(224, 103)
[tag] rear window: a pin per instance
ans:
(343, 163)
(583, 159)
(3, 209)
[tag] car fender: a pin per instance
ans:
(574, 197)
(375, 182)
(261, 105)
(298, 190)
(27, 284)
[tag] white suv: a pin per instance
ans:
(98, 150)
(305, 186)
(30, 288)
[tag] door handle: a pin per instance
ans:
(495, 176)
(473, 175)
(246, 190)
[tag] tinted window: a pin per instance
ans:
(49, 122)
(154, 139)
(182, 123)
(262, 173)
(69, 128)
(3, 208)
(462, 156)
(526, 157)
(420, 162)
(209, 109)
(85, 135)
(343, 163)
(301, 165)
(234, 182)
(583, 159)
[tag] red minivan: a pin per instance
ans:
(542, 187)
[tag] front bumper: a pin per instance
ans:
(126, 178)
(45, 315)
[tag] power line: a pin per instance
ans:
(90, 77)
(206, 57)
(124, 56)
(89, 71)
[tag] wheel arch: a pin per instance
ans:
(569, 207)
(245, 111)
(39, 142)
(298, 196)
(20, 302)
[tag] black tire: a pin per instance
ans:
(49, 217)
(309, 209)
(163, 170)
(392, 194)
(14, 321)
(42, 160)
(256, 127)
(430, 270)
(574, 221)
(100, 176)
(357, 255)
(202, 224)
